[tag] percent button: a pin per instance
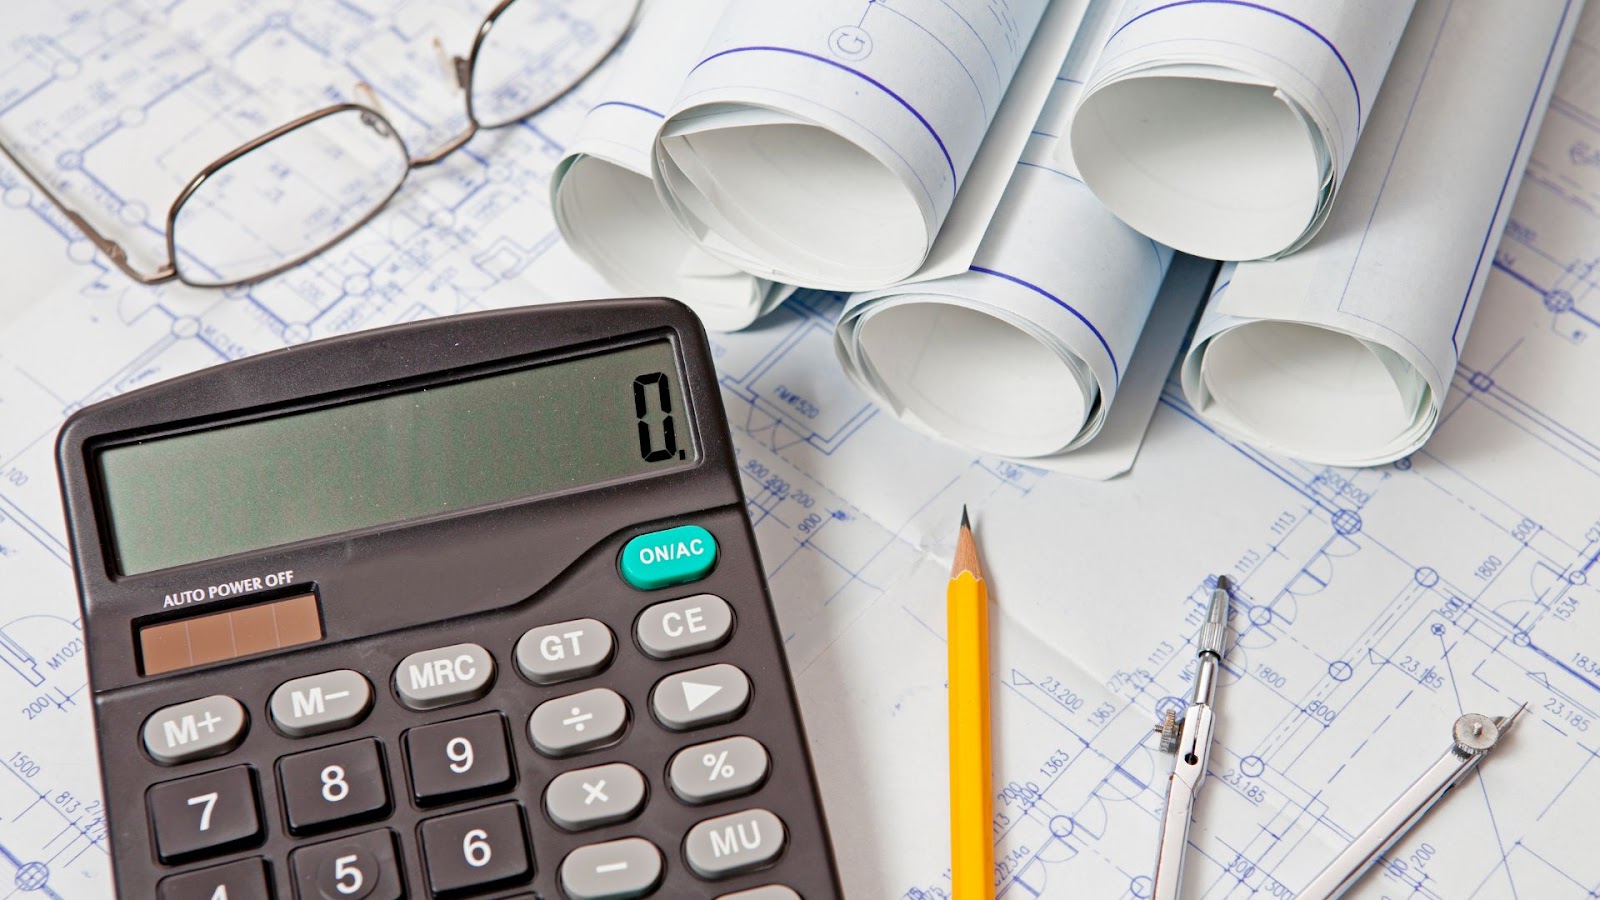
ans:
(718, 770)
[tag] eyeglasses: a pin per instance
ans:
(278, 200)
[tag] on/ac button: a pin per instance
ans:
(664, 558)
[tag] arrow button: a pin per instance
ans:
(695, 693)
(699, 697)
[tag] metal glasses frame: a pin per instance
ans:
(463, 70)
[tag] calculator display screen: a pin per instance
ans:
(264, 483)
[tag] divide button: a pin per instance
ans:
(663, 558)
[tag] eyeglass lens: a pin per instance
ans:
(296, 194)
(288, 198)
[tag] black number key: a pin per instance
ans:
(475, 848)
(242, 880)
(457, 758)
(202, 813)
(358, 867)
(340, 784)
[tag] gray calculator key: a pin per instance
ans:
(578, 722)
(615, 870)
(564, 651)
(210, 726)
(589, 798)
(718, 770)
(765, 892)
(242, 880)
(699, 697)
(684, 626)
(321, 703)
(728, 845)
(444, 676)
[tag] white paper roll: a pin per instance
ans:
(823, 143)
(1025, 354)
(1224, 128)
(604, 202)
(1342, 353)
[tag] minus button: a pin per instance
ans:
(630, 867)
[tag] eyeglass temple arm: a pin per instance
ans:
(112, 250)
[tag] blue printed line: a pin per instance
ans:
(1266, 9)
(954, 181)
(1034, 165)
(1116, 371)
(1522, 137)
(626, 105)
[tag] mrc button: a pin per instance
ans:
(664, 558)
(444, 676)
(210, 726)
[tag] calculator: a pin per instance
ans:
(465, 607)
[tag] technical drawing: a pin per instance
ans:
(1370, 603)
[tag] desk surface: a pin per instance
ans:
(1374, 606)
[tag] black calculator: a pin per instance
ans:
(467, 607)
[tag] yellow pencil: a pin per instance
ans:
(971, 793)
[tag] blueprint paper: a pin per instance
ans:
(1023, 354)
(1342, 353)
(823, 144)
(1225, 128)
(604, 201)
(1376, 604)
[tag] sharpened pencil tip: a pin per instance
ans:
(966, 550)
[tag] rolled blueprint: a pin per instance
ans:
(1341, 354)
(822, 143)
(601, 192)
(1225, 128)
(1023, 355)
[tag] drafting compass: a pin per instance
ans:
(1189, 740)
(1472, 737)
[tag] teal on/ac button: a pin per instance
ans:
(663, 558)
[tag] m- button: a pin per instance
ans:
(321, 703)
(210, 726)
(444, 676)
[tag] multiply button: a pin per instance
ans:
(210, 726)
(664, 558)
(589, 798)
(728, 845)
(204, 812)
(320, 703)
(450, 760)
(615, 870)
(578, 722)
(684, 626)
(699, 697)
(562, 652)
(718, 770)
(444, 676)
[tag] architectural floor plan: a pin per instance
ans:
(1374, 606)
